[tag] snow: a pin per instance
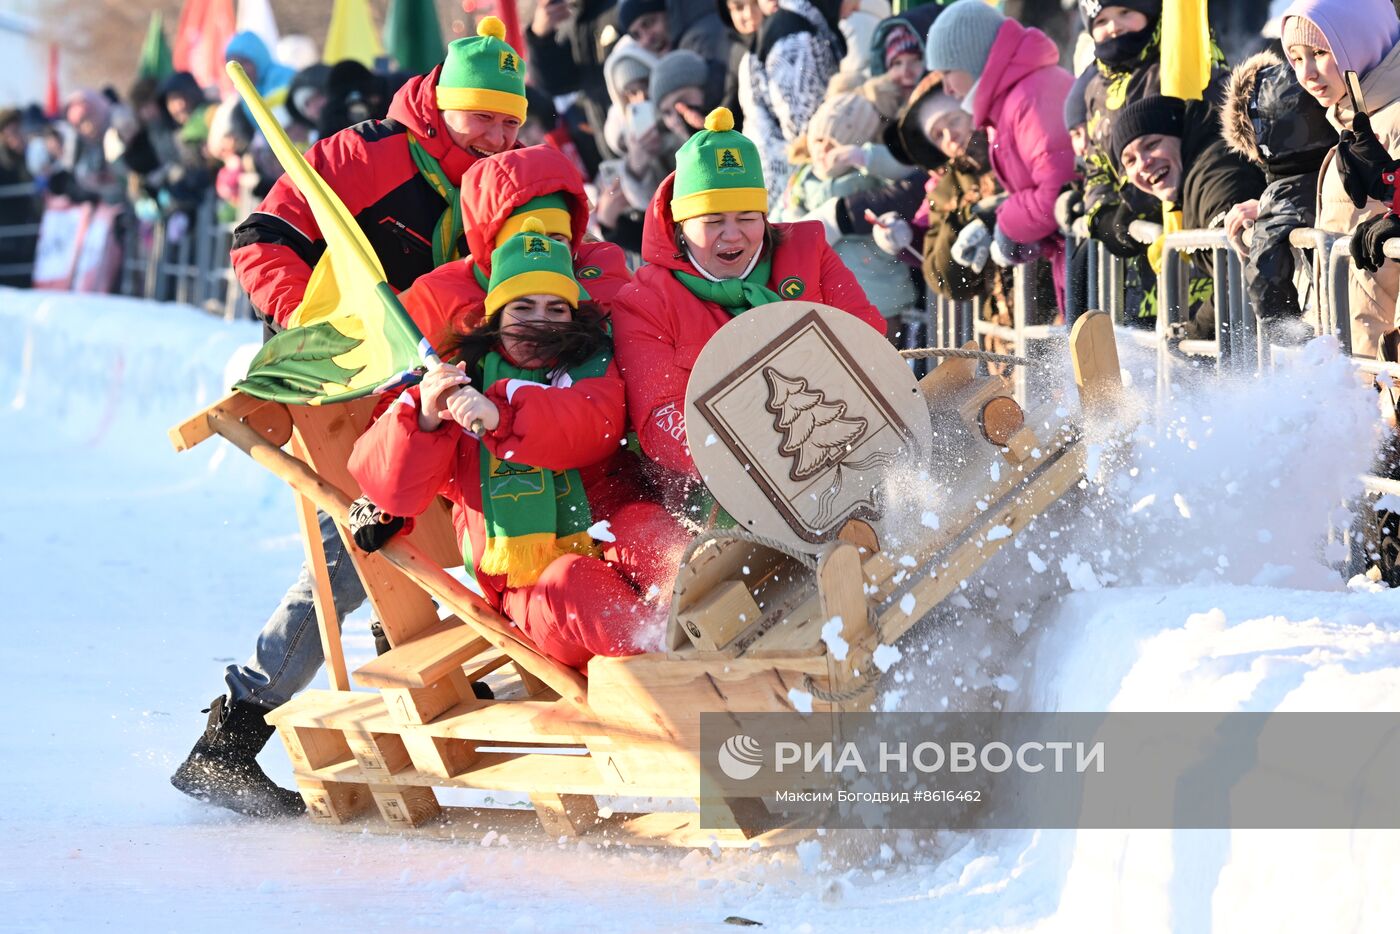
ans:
(133, 575)
(602, 531)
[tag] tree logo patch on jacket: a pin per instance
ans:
(729, 161)
(791, 287)
(510, 65)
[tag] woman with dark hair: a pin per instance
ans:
(711, 254)
(556, 533)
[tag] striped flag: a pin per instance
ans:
(350, 336)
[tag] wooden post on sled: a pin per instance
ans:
(795, 415)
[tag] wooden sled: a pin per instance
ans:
(745, 632)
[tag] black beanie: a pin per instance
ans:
(1076, 106)
(1152, 9)
(629, 11)
(1150, 115)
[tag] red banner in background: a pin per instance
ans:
(203, 33)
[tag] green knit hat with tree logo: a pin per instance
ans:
(718, 170)
(552, 210)
(530, 263)
(483, 73)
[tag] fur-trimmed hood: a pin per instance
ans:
(1268, 118)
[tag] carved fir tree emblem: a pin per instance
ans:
(816, 433)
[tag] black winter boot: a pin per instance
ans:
(223, 769)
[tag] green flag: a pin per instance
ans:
(155, 51)
(413, 36)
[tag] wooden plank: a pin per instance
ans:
(405, 805)
(565, 815)
(424, 660)
(547, 723)
(861, 535)
(406, 556)
(715, 563)
(439, 756)
(1096, 369)
(409, 706)
(269, 419)
(726, 611)
(841, 589)
(379, 755)
(317, 747)
(333, 802)
(495, 771)
(327, 616)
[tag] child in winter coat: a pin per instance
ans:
(783, 78)
(1324, 39)
(1269, 119)
(498, 195)
(533, 463)
(1010, 79)
(711, 254)
(836, 195)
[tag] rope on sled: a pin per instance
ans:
(739, 535)
(866, 681)
(920, 353)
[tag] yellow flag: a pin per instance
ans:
(1186, 53)
(350, 335)
(352, 34)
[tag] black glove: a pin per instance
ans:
(1368, 241)
(1069, 206)
(1110, 225)
(371, 526)
(1361, 161)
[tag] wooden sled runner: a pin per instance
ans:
(796, 416)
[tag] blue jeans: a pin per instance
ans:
(288, 653)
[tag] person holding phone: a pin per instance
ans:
(1323, 40)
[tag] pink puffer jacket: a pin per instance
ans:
(1020, 98)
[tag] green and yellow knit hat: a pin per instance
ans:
(483, 73)
(718, 170)
(552, 211)
(530, 263)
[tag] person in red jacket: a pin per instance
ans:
(711, 254)
(498, 194)
(398, 177)
(554, 530)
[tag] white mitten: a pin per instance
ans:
(973, 246)
(892, 233)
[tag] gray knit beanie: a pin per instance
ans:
(961, 38)
(680, 68)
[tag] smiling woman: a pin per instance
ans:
(711, 253)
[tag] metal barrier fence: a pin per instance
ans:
(17, 231)
(185, 258)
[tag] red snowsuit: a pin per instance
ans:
(369, 166)
(659, 327)
(449, 299)
(581, 606)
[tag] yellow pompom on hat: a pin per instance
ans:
(483, 72)
(530, 263)
(718, 170)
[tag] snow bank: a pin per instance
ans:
(134, 575)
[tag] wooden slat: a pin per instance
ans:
(323, 600)
(405, 805)
(426, 659)
(565, 815)
(333, 802)
(196, 429)
(841, 588)
(1095, 354)
(527, 773)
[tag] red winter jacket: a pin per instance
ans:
(369, 166)
(450, 298)
(581, 425)
(659, 327)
